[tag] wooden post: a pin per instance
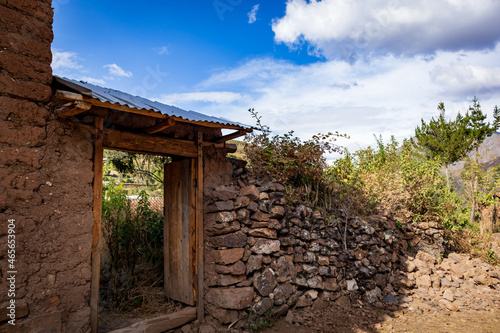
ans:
(200, 304)
(96, 230)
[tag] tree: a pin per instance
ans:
(453, 140)
(443, 139)
(148, 167)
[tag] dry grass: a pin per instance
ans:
(472, 242)
(144, 298)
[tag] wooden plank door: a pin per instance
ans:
(179, 231)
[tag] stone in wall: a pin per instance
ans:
(292, 255)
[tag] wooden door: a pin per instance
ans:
(179, 231)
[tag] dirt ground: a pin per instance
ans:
(344, 318)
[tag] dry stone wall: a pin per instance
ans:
(265, 254)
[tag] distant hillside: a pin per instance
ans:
(239, 153)
(489, 152)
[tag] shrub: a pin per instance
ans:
(289, 160)
(401, 181)
(131, 236)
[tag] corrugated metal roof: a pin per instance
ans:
(119, 97)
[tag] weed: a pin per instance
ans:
(400, 225)
(257, 322)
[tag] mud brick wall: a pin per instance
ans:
(266, 254)
(45, 181)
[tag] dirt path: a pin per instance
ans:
(347, 319)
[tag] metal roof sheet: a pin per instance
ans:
(119, 97)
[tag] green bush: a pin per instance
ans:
(401, 181)
(289, 160)
(131, 236)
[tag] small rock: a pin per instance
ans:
(390, 299)
(263, 232)
(277, 212)
(265, 282)
(251, 192)
(226, 257)
(352, 285)
(266, 246)
(448, 295)
(254, 263)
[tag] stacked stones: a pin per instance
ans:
(266, 255)
(457, 282)
(427, 237)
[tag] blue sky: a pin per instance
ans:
(352, 66)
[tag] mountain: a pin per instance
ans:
(489, 157)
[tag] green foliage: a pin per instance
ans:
(479, 185)
(492, 256)
(444, 139)
(400, 225)
(148, 168)
(288, 159)
(257, 322)
(131, 236)
(403, 182)
(291, 161)
(452, 140)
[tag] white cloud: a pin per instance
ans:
(347, 29)
(205, 97)
(465, 79)
(387, 96)
(162, 50)
(252, 15)
(117, 71)
(64, 60)
(92, 80)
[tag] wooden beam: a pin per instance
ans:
(230, 147)
(66, 95)
(72, 109)
(161, 324)
(200, 291)
(96, 230)
(147, 144)
(231, 136)
(160, 126)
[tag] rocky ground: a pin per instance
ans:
(458, 294)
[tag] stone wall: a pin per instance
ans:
(265, 254)
(45, 181)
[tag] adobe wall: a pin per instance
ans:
(45, 182)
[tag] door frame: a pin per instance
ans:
(103, 140)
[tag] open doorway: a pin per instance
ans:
(148, 257)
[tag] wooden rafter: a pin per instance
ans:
(72, 109)
(160, 126)
(231, 136)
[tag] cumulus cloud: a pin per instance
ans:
(252, 15)
(347, 29)
(466, 80)
(387, 96)
(117, 71)
(64, 60)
